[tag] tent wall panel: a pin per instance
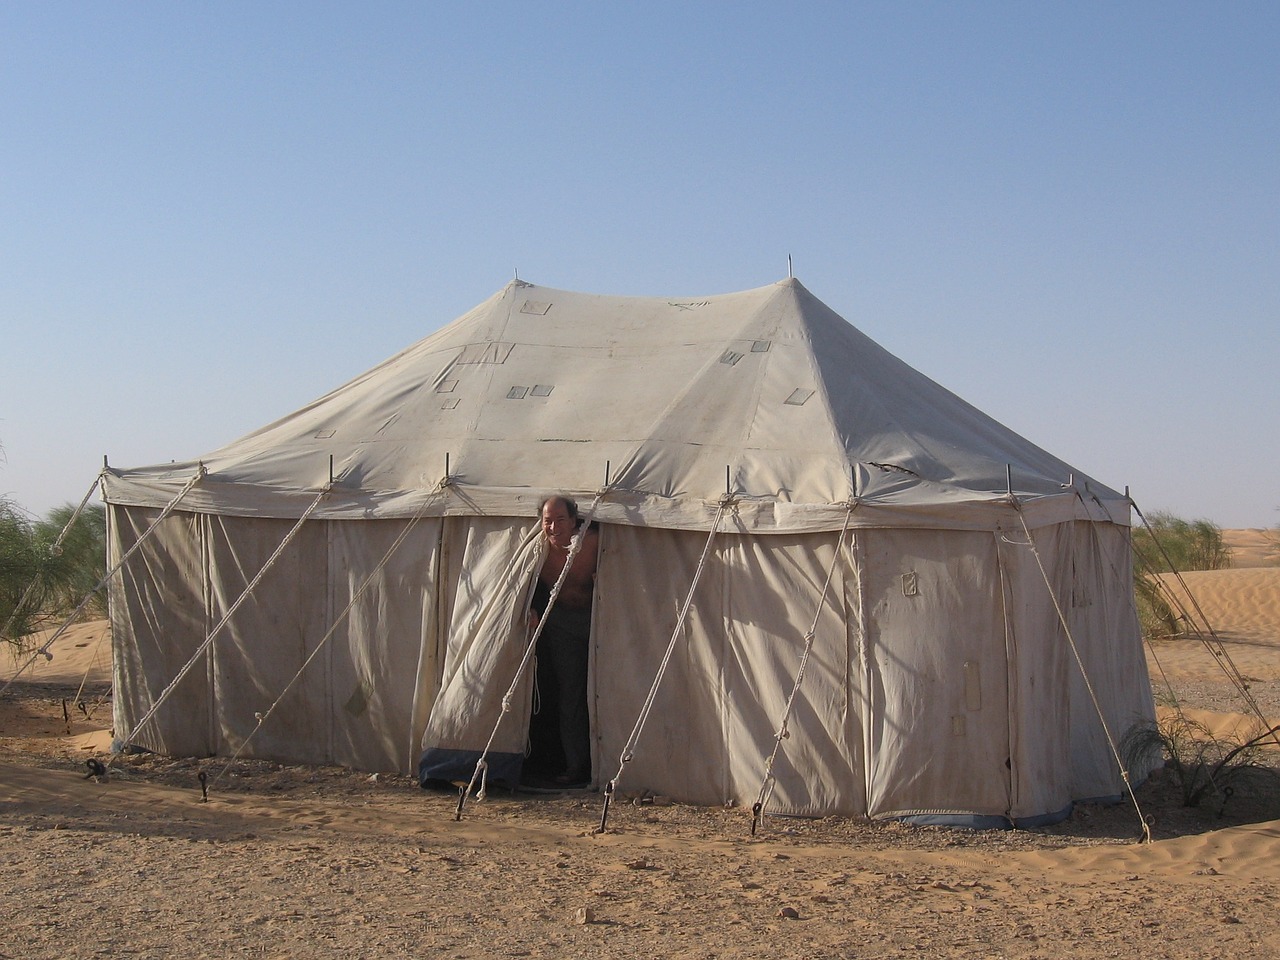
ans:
(645, 575)
(376, 655)
(773, 586)
(269, 637)
(939, 672)
(1040, 668)
(158, 621)
(1102, 618)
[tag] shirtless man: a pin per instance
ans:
(559, 523)
(563, 720)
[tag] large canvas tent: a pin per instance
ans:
(974, 645)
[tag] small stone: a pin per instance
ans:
(584, 916)
(789, 913)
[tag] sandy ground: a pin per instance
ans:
(1253, 547)
(320, 862)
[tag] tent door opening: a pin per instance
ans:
(559, 745)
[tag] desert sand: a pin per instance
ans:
(303, 862)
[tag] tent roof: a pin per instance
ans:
(766, 394)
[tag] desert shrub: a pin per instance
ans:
(1187, 545)
(19, 568)
(1203, 766)
(40, 584)
(80, 562)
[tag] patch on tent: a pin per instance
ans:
(358, 703)
(536, 307)
(798, 397)
(537, 390)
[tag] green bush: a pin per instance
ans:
(80, 562)
(39, 584)
(1187, 545)
(19, 568)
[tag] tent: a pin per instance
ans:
(960, 598)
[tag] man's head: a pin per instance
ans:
(559, 521)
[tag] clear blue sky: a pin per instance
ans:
(1067, 213)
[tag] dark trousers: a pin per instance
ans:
(560, 731)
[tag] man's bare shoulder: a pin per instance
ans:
(590, 548)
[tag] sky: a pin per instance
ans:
(1066, 213)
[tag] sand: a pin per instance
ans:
(1253, 547)
(308, 862)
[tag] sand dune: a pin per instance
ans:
(1253, 547)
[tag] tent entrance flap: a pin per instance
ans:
(495, 565)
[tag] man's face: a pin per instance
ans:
(557, 524)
